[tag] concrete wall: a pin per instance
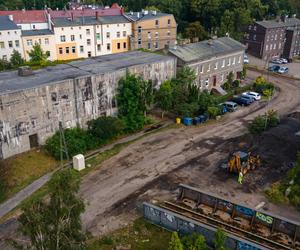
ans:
(35, 113)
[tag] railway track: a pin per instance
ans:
(214, 222)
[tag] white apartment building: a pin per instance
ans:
(10, 38)
(83, 37)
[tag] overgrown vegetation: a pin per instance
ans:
(263, 87)
(54, 223)
(288, 190)
(263, 122)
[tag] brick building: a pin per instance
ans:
(274, 38)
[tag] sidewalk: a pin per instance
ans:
(16, 200)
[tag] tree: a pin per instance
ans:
(37, 55)
(195, 30)
(200, 243)
(55, 224)
(175, 243)
(105, 128)
(130, 103)
(164, 97)
(219, 240)
(4, 65)
(16, 59)
(147, 96)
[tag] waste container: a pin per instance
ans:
(187, 121)
(178, 120)
(196, 121)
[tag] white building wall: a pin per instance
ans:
(11, 40)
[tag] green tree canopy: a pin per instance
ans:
(175, 243)
(164, 97)
(16, 59)
(195, 30)
(37, 55)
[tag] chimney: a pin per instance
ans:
(97, 15)
(11, 17)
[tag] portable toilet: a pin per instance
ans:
(78, 162)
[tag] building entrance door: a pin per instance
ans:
(33, 141)
(214, 81)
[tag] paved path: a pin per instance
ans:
(16, 200)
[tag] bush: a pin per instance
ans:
(213, 112)
(236, 84)
(78, 142)
(263, 122)
(105, 128)
(261, 86)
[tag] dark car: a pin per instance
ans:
(274, 68)
(242, 101)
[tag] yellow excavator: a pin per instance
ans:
(241, 162)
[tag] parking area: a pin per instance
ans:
(294, 68)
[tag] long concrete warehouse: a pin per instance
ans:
(31, 107)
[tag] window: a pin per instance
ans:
(29, 42)
(2, 46)
(46, 40)
(206, 82)
(140, 41)
(271, 47)
(279, 46)
(254, 27)
(216, 65)
(108, 46)
(88, 31)
(250, 27)
(17, 43)
(88, 41)
(107, 35)
(98, 47)
(274, 46)
(67, 50)
(169, 21)
(229, 61)
(156, 45)
(275, 37)
(124, 45)
(169, 33)
(254, 37)
(73, 49)
(48, 53)
(40, 41)
(149, 34)
(10, 44)
(118, 34)
(81, 49)
(33, 26)
(124, 33)
(156, 22)
(4, 57)
(268, 38)
(98, 36)
(60, 51)
(156, 34)
(239, 61)
(223, 63)
(62, 38)
(201, 69)
(89, 54)
(139, 29)
(72, 38)
(80, 36)
(119, 45)
(233, 61)
(208, 68)
(149, 45)
(267, 47)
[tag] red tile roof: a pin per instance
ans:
(26, 16)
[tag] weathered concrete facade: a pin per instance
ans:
(31, 107)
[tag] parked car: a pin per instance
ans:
(284, 61)
(248, 97)
(283, 70)
(256, 96)
(241, 101)
(274, 68)
(230, 106)
(276, 61)
(246, 59)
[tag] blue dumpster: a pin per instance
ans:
(187, 121)
(196, 121)
(201, 118)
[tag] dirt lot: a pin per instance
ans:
(151, 168)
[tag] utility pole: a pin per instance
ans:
(63, 144)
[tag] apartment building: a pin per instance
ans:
(44, 37)
(10, 38)
(152, 30)
(82, 37)
(274, 38)
(212, 60)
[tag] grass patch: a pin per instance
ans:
(141, 235)
(19, 171)
(275, 194)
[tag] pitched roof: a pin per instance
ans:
(277, 24)
(43, 32)
(88, 20)
(26, 16)
(86, 12)
(206, 49)
(141, 16)
(7, 24)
